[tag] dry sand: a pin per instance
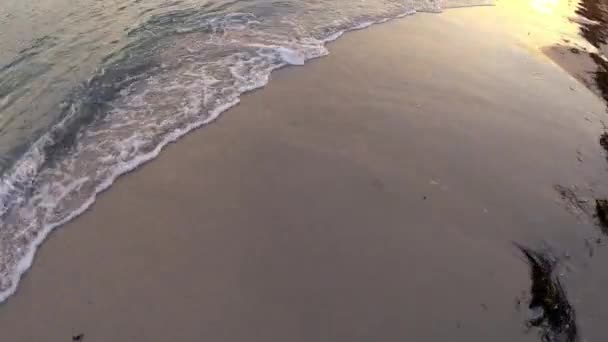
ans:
(372, 195)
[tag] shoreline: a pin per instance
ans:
(282, 146)
(24, 166)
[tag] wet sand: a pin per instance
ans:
(372, 195)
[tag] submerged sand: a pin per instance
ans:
(372, 195)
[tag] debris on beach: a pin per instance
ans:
(575, 204)
(550, 310)
(604, 140)
(583, 207)
(601, 211)
(77, 338)
(600, 76)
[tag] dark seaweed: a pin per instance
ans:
(556, 321)
(596, 31)
(600, 76)
(601, 210)
(604, 141)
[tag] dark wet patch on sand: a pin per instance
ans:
(551, 312)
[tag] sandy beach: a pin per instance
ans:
(371, 195)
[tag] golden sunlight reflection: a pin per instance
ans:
(544, 6)
(572, 33)
(542, 22)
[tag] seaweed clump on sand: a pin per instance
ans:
(553, 314)
(604, 141)
(601, 211)
(600, 76)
